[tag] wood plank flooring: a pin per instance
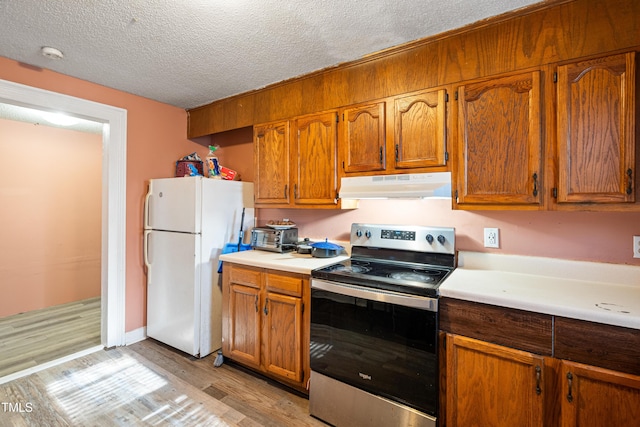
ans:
(148, 383)
(40, 336)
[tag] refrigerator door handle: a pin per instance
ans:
(145, 250)
(146, 209)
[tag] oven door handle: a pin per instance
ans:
(413, 301)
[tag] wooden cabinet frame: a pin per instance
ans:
(296, 163)
(493, 385)
(420, 130)
(596, 136)
(589, 377)
(497, 126)
(264, 322)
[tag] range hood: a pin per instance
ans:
(405, 186)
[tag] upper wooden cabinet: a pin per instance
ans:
(498, 143)
(363, 138)
(596, 136)
(499, 129)
(400, 134)
(420, 130)
(314, 141)
(296, 162)
(271, 162)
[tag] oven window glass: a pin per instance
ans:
(386, 349)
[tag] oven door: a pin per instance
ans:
(382, 342)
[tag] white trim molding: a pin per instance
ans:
(114, 163)
(136, 335)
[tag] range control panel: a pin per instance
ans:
(404, 237)
(398, 235)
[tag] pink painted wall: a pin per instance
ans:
(156, 137)
(50, 218)
(588, 236)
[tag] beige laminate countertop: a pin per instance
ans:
(289, 261)
(597, 292)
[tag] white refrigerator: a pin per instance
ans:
(187, 222)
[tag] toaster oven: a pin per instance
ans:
(274, 240)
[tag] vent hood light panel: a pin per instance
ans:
(405, 186)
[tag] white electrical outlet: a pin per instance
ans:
(491, 237)
(636, 246)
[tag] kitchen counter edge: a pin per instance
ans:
(596, 292)
(288, 261)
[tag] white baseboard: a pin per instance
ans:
(136, 335)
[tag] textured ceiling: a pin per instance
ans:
(191, 52)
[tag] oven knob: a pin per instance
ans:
(429, 238)
(441, 239)
(359, 233)
(367, 234)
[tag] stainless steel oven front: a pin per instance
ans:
(374, 358)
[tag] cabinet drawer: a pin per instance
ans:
(284, 283)
(245, 276)
(606, 346)
(519, 329)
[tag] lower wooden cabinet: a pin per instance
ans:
(263, 322)
(492, 386)
(595, 397)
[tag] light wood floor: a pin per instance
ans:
(148, 383)
(40, 336)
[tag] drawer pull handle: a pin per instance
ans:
(569, 394)
(538, 375)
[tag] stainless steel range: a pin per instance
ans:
(374, 327)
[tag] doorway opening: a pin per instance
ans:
(113, 251)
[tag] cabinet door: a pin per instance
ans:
(244, 324)
(498, 141)
(595, 397)
(363, 138)
(283, 335)
(315, 144)
(491, 385)
(271, 162)
(596, 135)
(420, 130)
